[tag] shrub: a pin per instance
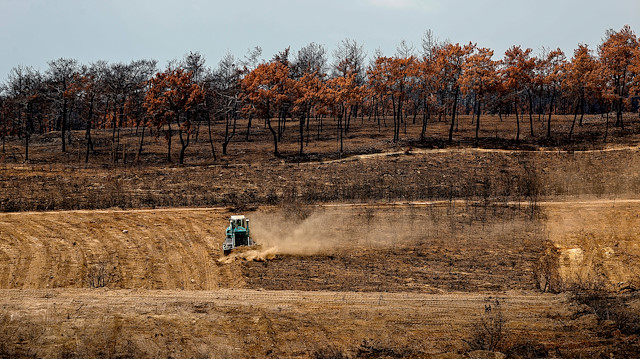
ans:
(490, 332)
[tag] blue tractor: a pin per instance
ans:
(237, 234)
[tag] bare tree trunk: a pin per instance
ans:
(425, 117)
(396, 121)
(575, 115)
(184, 142)
(248, 128)
(302, 119)
(213, 149)
(582, 104)
(275, 137)
(308, 125)
(141, 143)
(230, 121)
(619, 107)
(517, 124)
(606, 129)
(531, 114)
(26, 147)
(453, 114)
(169, 135)
(553, 96)
(64, 124)
(477, 121)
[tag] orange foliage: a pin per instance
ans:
(171, 94)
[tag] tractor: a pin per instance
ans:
(237, 234)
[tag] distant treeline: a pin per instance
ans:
(441, 82)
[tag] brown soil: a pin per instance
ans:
(249, 323)
(406, 280)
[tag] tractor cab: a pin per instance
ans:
(237, 234)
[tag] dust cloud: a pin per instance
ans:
(286, 233)
(320, 230)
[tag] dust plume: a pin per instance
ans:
(286, 234)
(315, 230)
(256, 253)
(282, 232)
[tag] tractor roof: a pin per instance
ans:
(237, 217)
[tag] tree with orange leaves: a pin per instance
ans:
(342, 94)
(172, 98)
(391, 78)
(479, 77)
(267, 88)
(616, 56)
(425, 72)
(379, 74)
(449, 61)
(308, 90)
(516, 75)
(580, 80)
(551, 75)
(635, 69)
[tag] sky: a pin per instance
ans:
(33, 32)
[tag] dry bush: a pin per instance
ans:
(378, 349)
(102, 273)
(329, 352)
(108, 339)
(18, 339)
(545, 271)
(612, 310)
(297, 211)
(525, 348)
(490, 332)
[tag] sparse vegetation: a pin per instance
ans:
(490, 332)
(101, 274)
(613, 312)
(365, 231)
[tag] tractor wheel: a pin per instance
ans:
(226, 252)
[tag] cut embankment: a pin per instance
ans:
(596, 244)
(154, 249)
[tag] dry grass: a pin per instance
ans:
(247, 323)
(251, 176)
(458, 174)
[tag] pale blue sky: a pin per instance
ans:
(33, 32)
